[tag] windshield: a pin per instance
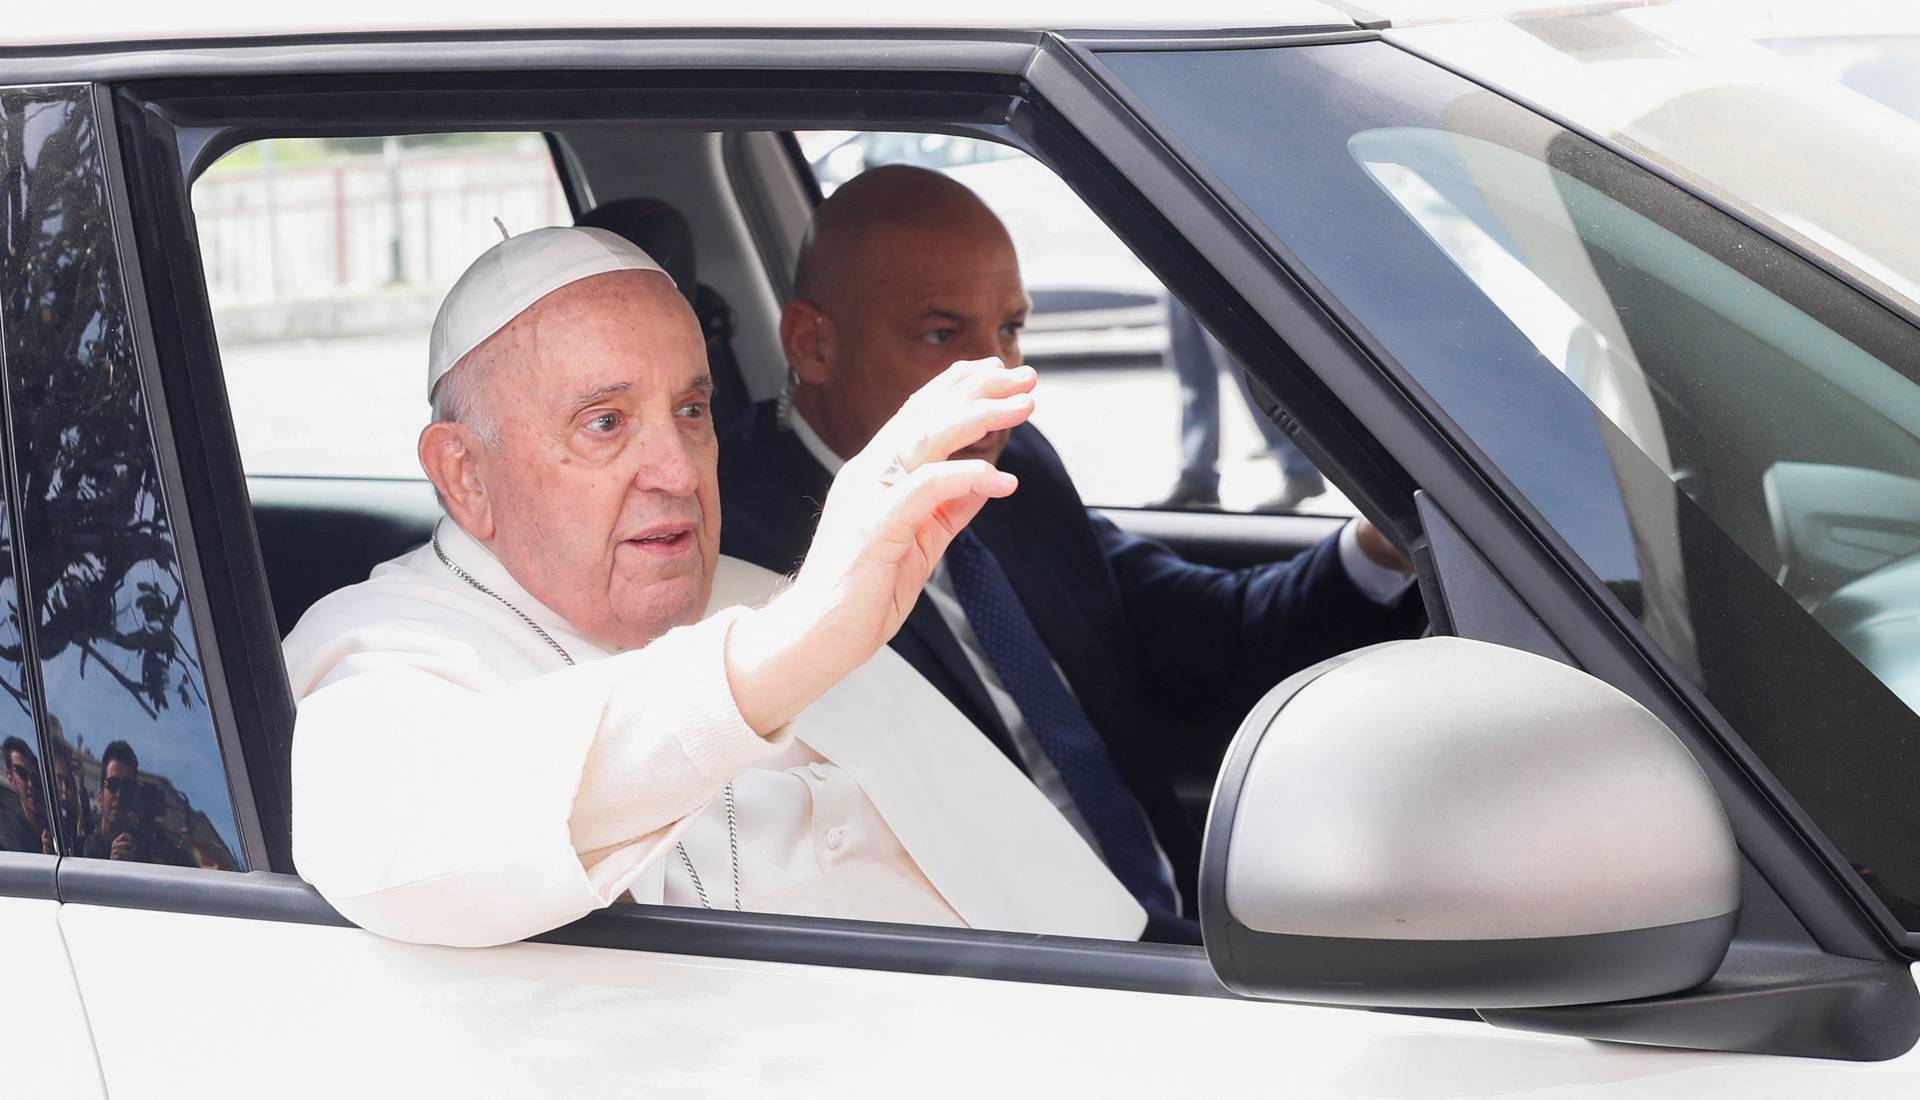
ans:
(1681, 84)
(1725, 435)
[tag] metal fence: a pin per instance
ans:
(363, 224)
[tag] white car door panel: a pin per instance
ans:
(305, 1010)
(42, 1024)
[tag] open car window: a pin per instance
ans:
(326, 259)
(1145, 407)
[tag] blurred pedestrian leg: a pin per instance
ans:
(1197, 360)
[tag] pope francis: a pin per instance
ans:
(567, 696)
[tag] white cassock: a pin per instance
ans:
(455, 782)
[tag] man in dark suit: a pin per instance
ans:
(1075, 646)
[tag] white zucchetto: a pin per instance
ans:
(514, 274)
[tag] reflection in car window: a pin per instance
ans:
(136, 769)
(26, 825)
(1726, 435)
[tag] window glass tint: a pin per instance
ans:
(326, 259)
(25, 822)
(1144, 407)
(1728, 437)
(137, 770)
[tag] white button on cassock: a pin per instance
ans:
(836, 836)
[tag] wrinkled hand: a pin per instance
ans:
(891, 513)
(880, 536)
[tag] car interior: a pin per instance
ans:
(725, 213)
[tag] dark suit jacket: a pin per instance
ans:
(1149, 642)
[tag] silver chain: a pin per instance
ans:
(733, 821)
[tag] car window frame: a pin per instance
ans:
(1568, 598)
(978, 79)
(155, 443)
(1359, 421)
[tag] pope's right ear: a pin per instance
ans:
(452, 463)
(807, 335)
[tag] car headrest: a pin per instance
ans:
(656, 226)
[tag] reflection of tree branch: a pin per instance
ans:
(19, 694)
(134, 687)
(88, 486)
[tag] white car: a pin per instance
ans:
(1605, 314)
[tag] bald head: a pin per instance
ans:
(903, 273)
(874, 220)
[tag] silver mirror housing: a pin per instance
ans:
(1445, 823)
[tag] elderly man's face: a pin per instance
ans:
(600, 495)
(928, 296)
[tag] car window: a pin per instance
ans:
(1145, 408)
(1727, 436)
(326, 259)
(26, 824)
(136, 767)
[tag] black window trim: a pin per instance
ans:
(763, 937)
(565, 168)
(239, 776)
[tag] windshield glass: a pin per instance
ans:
(1838, 83)
(1726, 436)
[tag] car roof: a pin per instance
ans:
(49, 24)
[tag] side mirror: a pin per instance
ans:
(1445, 823)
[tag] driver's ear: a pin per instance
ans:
(450, 456)
(809, 338)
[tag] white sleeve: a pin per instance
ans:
(1382, 584)
(436, 803)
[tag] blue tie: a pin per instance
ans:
(1016, 652)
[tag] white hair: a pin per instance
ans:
(456, 399)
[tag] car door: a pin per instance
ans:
(1627, 428)
(223, 979)
(226, 974)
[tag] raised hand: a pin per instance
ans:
(891, 513)
(897, 504)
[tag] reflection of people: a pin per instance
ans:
(25, 829)
(1198, 361)
(121, 828)
(69, 800)
(568, 696)
(1050, 628)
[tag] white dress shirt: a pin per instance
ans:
(1378, 583)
